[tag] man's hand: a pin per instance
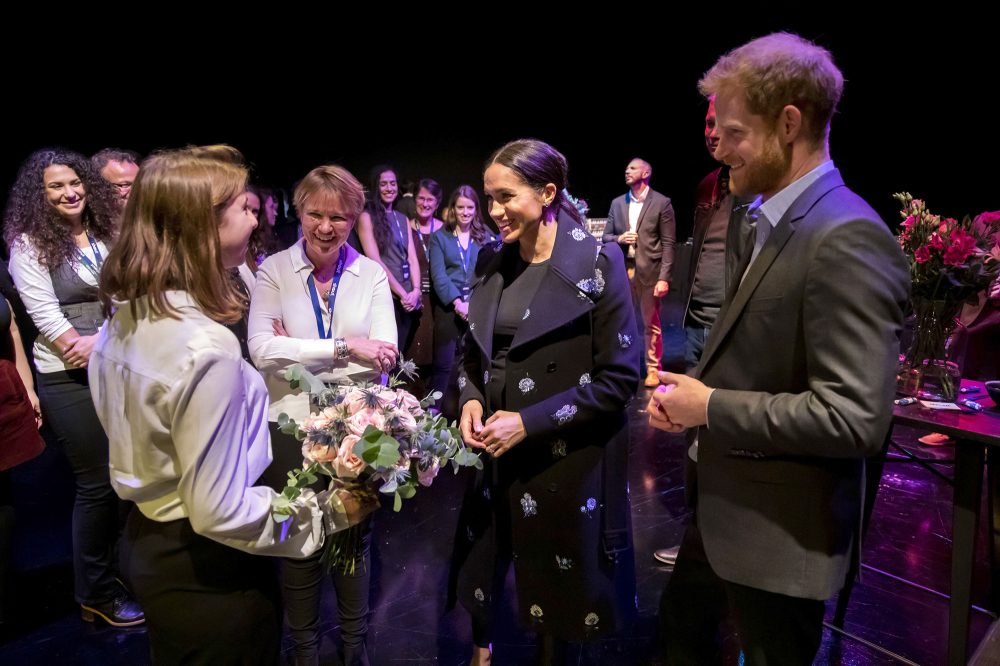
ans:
(682, 399)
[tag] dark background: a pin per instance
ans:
(435, 98)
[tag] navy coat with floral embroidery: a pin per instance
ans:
(570, 372)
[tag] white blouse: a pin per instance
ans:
(34, 284)
(363, 309)
(187, 429)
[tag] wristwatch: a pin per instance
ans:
(340, 349)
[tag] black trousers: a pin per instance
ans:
(406, 326)
(205, 603)
(301, 587)
(773, 629)
(448, 330)
(69, 411)
(301, 580)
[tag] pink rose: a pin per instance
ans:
(318, 453)
(346, 464)
(317, 422)
(922, 254)
(360, 420)
(989, 217)
(988, 225)
(354, 401)
(426, 476)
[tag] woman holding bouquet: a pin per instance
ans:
(321, 304)
(185, 419)
(546, 377)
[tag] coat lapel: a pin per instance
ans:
(485, 298)
(569, 287)
(622, 215)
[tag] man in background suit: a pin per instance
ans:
(642, 222)
(795, 385)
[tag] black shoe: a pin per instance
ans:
(121, 611)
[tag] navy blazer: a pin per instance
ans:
(447, 273)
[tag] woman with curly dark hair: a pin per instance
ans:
(60, 221)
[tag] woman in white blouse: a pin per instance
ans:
(186, 419)
(60, 222)
(321, 304)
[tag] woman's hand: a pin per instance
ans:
(376, 354)
(36, 405)
(471, 423)
(278, 328)
(411, 301)
(77, 353)
(503, 431)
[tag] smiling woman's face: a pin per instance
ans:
(64, 190)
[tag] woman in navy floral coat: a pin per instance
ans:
(546, 378)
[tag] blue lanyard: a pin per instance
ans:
(94, 270)
(399, 233)
(465, 257)
(331, 298)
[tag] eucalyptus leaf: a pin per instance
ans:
(388, 454)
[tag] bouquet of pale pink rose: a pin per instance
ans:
(368, 438)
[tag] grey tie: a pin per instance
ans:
(755, 239)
